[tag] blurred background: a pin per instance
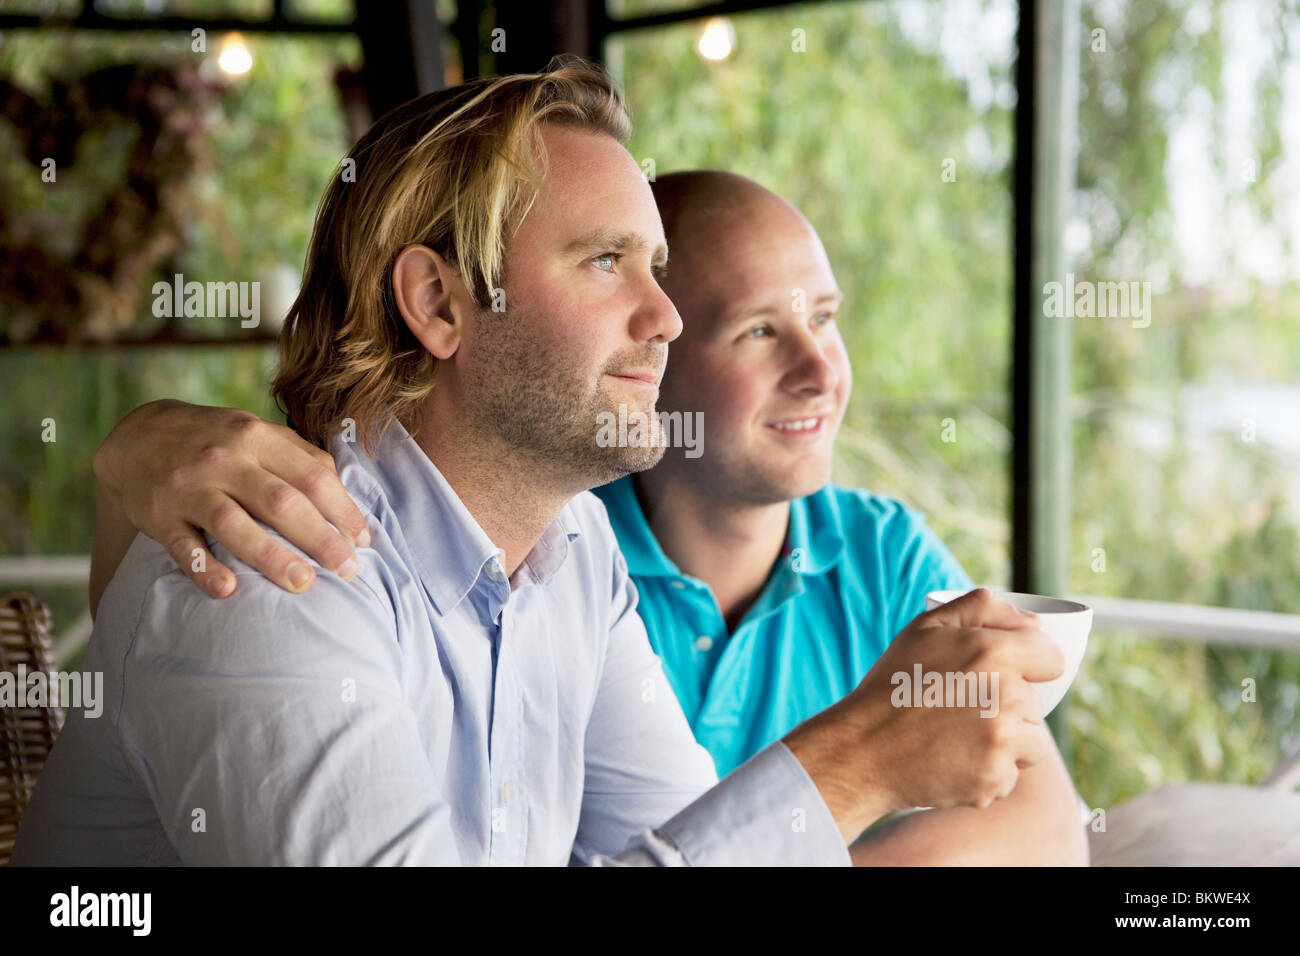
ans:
(955, 156)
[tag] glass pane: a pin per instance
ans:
(1184, 245)
(241, 188)
(891, 130)
(59, 405)
(275, 136)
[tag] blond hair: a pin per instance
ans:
(453, 170)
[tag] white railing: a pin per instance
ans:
(39, 571)
(1225, 626)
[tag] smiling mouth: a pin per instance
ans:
(799, 426)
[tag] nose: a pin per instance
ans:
(811, 370)
(655, 318)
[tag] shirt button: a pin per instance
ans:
(493, 573)
(680, 585)
(703, 643)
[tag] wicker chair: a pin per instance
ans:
(26, 733)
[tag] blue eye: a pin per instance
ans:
(611, 256)
(824, 318)
(751, 334)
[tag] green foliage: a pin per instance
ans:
(277, 139)
(1188, 516)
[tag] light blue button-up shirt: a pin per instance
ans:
(429, 712)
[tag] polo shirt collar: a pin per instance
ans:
(814, 533)
(815, 541)
(640, 547)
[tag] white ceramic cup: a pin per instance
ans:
(1066, 623)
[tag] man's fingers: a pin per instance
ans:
(288, 511)
(230, 524)
(1029, 651)
(980, 608)
(1037, 746)
(188, 549)
(312, 471)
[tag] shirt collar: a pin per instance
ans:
(814, 541)
(640, 547)
(452, 551)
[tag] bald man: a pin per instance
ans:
(767, 591)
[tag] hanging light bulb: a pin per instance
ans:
(235, 57)
(717, 39)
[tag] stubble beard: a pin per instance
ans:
(544, 410)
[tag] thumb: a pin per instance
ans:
(979, 608)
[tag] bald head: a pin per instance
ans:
(701, 208)
(727, 236)
(701, 195)
(759, 354)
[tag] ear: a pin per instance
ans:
(432, 299)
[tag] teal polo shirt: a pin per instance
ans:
(854, 571)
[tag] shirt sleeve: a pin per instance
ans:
(923, 564)
(269, 728)
(652, 792)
